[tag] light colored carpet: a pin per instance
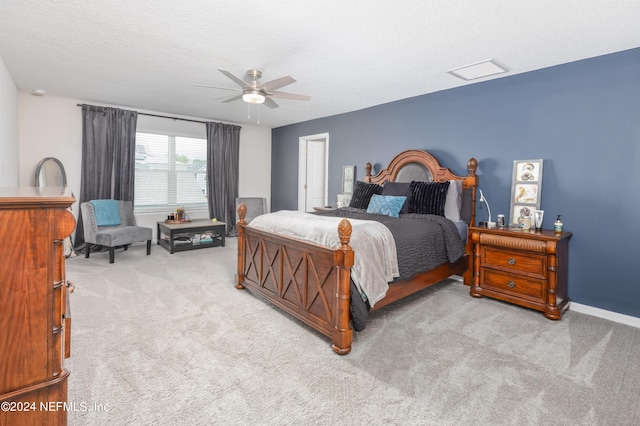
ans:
(167, 340)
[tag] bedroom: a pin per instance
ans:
(580, 117)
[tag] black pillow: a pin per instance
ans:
(399, 189)
(428, 197)
(362, 193)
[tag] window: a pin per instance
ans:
(171, 171)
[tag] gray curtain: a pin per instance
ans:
(108, 157)
(223, 156)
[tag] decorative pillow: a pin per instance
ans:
(398, 189)
(428, 197)
(454, 200)
(362, 193)
(106, 212)
(388, 205)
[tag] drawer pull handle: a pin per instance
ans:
(512, 261)
(511, 284)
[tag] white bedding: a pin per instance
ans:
(375, 259)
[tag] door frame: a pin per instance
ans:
(302, 167)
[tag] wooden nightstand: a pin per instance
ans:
(528, 268)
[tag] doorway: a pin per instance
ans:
(313, 173)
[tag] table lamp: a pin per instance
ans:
(490, 224)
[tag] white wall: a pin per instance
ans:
(52, 127)
(49, 127)
(8, 128)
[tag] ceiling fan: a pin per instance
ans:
(254, 92)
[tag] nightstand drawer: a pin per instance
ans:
(527, 263)
(518, 285)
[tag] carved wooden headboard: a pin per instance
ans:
(418, 165)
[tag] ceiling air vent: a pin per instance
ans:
(478, 70)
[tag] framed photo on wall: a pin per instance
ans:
(526, 188)
(348, 177)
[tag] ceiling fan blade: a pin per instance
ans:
(240, 82)
(211, 86)
(278, 83)
(235, 98)
(285, 95)
(270, 103)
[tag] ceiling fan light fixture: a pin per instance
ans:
(253, 97)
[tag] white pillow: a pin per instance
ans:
(453, 203)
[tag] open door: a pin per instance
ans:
(313, 172)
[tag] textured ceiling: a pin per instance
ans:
(348, 55)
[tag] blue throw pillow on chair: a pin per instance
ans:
(107, 212)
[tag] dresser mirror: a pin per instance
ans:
(50, 173)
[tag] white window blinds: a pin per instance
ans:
(170, 171)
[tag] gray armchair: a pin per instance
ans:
(111, 237)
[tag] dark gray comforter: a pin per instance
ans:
(423, 242)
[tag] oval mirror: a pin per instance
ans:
(50, 173)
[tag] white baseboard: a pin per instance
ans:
(608, 315)
(590, 310)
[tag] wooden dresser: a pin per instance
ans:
(34, 325)
(528, 268)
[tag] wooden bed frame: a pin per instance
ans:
(312, 282)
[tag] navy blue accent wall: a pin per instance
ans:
(582, 119)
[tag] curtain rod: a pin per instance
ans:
(160, 116)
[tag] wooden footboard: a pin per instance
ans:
(309, 281)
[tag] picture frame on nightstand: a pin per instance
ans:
(343, 200)
(526, 188)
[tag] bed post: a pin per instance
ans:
(342, 335)
(471, 181)
(242, 212)
(367, 172)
